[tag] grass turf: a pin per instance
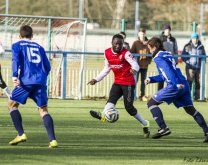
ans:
(84, 140)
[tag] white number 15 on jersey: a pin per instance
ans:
(32, 56)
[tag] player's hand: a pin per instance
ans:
(16, 82)
(92, 82)
(132, 71)
(180, 86)
(147, 81)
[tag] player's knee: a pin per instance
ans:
(152, 104)
(131, 110)
(43, 111)
(12, 105)
(190, 110)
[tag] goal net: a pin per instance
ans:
(58, 35)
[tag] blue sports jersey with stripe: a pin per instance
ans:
(166, 67)
(168, 72)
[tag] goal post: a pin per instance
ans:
(60, 36)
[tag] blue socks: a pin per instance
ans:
(47, 120)
(201, 122)
(17, 121)
(158, 116)
(48, 123)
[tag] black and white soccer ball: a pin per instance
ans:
(111, 115)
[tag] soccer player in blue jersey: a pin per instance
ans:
(30, 68)
(177, 90)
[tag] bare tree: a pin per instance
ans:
(118, 13)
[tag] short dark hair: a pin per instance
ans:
(26, 31)
(142, 30)
(167, 26)
(123, 33)
(155, 41)
(117, 36)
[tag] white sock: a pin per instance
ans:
(7, 92)
(109, 106)
(140, 119)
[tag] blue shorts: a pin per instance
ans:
(36, 92)
(179, 97)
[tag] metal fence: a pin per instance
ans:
(70, 82)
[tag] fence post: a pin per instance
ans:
(193, 84)
(194, 27)
(123, 25)
(63, 76)
(49, 55)
(202, 78)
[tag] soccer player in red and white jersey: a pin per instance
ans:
(124, 67)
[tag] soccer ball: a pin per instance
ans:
(111, 115)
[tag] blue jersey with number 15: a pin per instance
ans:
(29, 63)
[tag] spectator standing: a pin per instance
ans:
(193, 64)
(140, 47)
(169, 44)
(125, 44)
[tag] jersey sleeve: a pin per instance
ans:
(167, 71)
(105, 70)
(15, 60)
(46, 62)
(155, 79)
(130, 59)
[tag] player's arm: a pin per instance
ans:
(167, 72)
(134, 65)
(15, 64)
(47, 65)
(156, 79)
(102, 74)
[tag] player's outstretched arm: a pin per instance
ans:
(92, 82)
(147, 81)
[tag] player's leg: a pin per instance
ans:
(39, 95)
(49, 125)
(158, 116)
(19, 95)
(4, 86)
(115, 94)
(17, 121)
(128, 94)
(199, 120)
(185, 101)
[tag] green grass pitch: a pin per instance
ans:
(86, 141)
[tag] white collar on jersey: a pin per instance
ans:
(25, 39)
(159, 53)
(115, 52)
